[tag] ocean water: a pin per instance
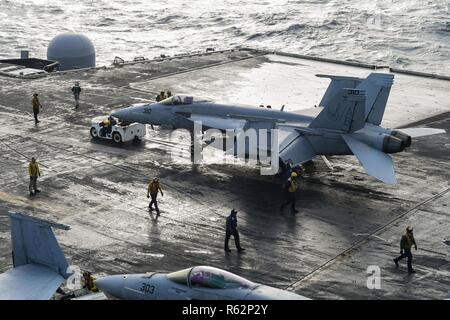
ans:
(410, 34)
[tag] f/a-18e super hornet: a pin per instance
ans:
(348, 123)
(195, 283)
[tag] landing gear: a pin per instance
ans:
(196, 149)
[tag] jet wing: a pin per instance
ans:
(219, 123)
(29, 282)
(263, 292)
(292, 144)
(236, 121)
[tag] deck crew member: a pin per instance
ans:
(288, 167)
(152, 191)
(291, 188)
(89, 282)
(231, 230)
(107, 125)
(161, 96)
(76, 90)
(406, 242)
(34, 172)
(168, 94)
(36, 106)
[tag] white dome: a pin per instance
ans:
(73, 51)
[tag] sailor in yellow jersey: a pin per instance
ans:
(152, 191)
(290, 189)
(34, 172)
(406, 242)
(36, 107)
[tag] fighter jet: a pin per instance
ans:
(39, 266)
(196, 283)
(351, 111)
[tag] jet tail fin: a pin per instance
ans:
(337, 83)
(33, 242)
(345, 113)
(377, 86)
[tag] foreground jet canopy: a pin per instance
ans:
(197, 283)
(351, 112)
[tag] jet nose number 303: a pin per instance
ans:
(147, 288)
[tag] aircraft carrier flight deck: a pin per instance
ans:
(347, 222)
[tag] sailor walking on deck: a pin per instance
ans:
(406, 242)
(291, 188)
(231, 230)
(76, 90)
(152, 191)
(34, 172)
(36, 106)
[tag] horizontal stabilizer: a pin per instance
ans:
(421, 132)
(376, 163)
(29, 282)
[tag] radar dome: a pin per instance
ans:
(73, 51)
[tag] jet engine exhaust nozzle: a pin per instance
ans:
(392, 144)
(402, 136)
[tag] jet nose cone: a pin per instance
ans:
(123, 114)
(111, 285)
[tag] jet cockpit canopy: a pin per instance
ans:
(181, 99)
(211, 278)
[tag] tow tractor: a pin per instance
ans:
(111, 128)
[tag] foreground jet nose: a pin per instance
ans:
(124, 114)
(111, 285)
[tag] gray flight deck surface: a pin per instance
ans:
(347, 221)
